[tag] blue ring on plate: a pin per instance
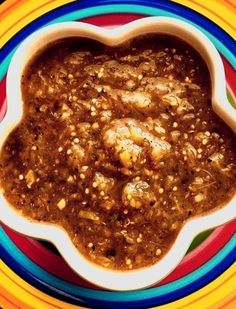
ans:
(56, 287)
(172, 7)
(220, 38)
(150, 296)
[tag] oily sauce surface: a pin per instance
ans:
(120, 146)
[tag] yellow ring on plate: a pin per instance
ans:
(14, 291)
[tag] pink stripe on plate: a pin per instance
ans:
(55, 265)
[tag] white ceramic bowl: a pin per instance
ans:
(106, 278)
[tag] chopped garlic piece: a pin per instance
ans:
(30, 178)
(61, 204)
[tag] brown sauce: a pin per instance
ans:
(120, 146)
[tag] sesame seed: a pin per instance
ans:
(199, 197)
(140, 76)
(104, 106)
(61, 204)
(95, 125)
(92, 109)
(90, 245)
(103, 119)
(93, 114)
(175, 124)
(94, 184)
(60, 149)
(161, 190)
(70, 76)
(76, 140)
(175, 188)
(187, 79)
(70, 179)
(128, 261)
(87, 191)
(34, 148)
(204, 141)
(21, 177)
(158, 252)
(129, 197)
(84, 168)
(174, 226)
(69, 151)
(82, 176)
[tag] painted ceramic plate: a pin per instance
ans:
(210, 254)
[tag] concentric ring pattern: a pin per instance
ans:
(31, 275)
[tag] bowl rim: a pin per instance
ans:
(106, 278)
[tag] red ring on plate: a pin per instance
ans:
(56, 265)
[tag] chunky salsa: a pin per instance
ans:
(119, 146)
